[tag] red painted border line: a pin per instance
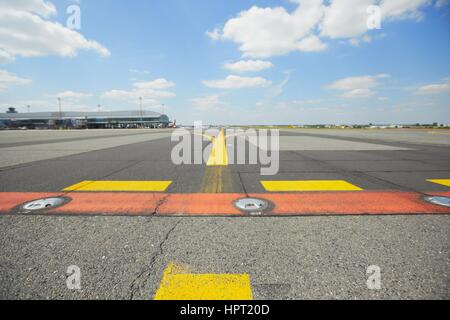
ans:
(354, 203)
(307, 203)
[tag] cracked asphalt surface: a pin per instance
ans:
(323, 257)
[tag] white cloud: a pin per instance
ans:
(25, 31)
(356, 41)
(403, 9)
(154, 85)
(358, 93)
(207, 103)
(345, 18)
(138, 71)
(351, 83)
(311, 43)
(265, 32)
(237, 82)
(40, 7)
(357, 87)
(214, 35)
(248, 65)
(433, 89)
(8, 79)
(348, 18)
(73, 95)
(135, 94)
(5, 57)
(149, 91)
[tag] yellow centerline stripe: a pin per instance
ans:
(444, 182)
(218, 156)
(153, 186)
(216, 180)
(309, 185)
(177, 285)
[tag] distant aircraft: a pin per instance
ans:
(173, 124)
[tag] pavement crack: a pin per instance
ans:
(243, 185)
(160, 203)
(165, 198)
(146, 271)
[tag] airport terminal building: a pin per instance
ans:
(84, 120)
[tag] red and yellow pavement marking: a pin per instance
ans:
(164, 204)
(178, 284)
(149, 186)
(354, 203)
(444, 182)
(308, 185)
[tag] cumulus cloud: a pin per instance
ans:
(355, 42)
(157, 84)
(237, 82)
(8, 79)
(348, 18)
(357, 87)
(26, 31)
(40, 7)
(345, 18)
(248, 65)
(265, 32)
(73, 95)
(207, 103)
(6, 57)
(358, 93)
(311, 43)
(433, 89)
(148, 91)
(139, 71)
(403, 9)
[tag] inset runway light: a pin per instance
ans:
(441, 201)
(42, 204)
(252, 206)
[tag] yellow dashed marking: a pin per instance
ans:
(444, 182)
(309, 185)
(153, 186)
(218, 156)
(176, 285)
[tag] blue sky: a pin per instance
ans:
(231, 62)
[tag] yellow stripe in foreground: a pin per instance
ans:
(444, 182)
(153, 186)
(176, 285)
(309, 185)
